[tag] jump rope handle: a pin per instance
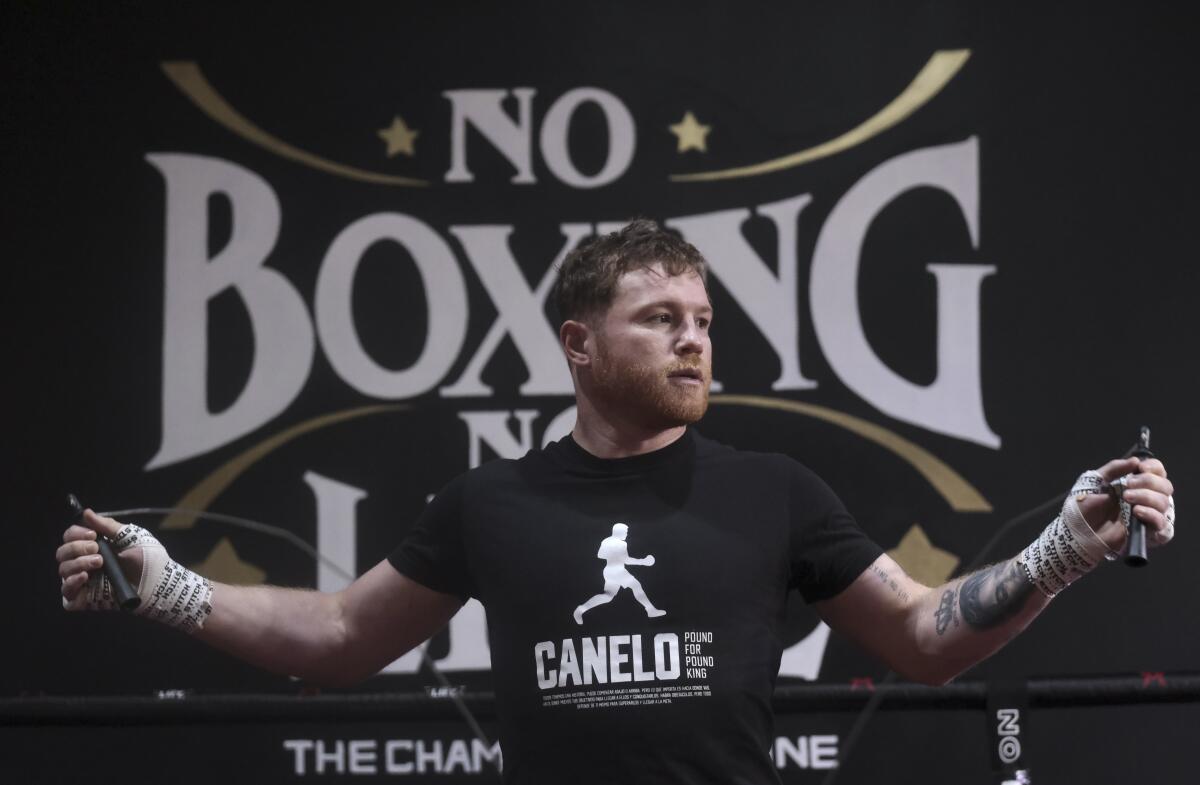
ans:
(1137, 530)
(127, 598)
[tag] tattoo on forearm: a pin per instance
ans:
(888, 581)
(946, 614)
(994, 595)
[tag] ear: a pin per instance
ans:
(576, 339)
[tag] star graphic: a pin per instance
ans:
(223, 564)
(399, 137)
(691, 134)
(922, 559)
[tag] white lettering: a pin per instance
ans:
(953, 403)
(806, 752)
(281, 332)
(480, 753)
(469, 649)
(617, 658)
(337, 528)
(547, 677)
(769, 300)
(445, 292)
(492, 428)
(390, 756)
(335, 757)
(429, 756)
(666, 661)
(457, 756)
(786, 751)
(362, 756)
(601, 660)
(482, 109)
(803, 659)
(639, 673)
(824, 751)
(568, 665)
(1007, 721)
(520, 312)
(621, 137)
(561, 425)
(400, 756)
(298, 748)
(595, 660)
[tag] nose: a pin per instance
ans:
(691, 338)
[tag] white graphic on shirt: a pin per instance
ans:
(616, 556)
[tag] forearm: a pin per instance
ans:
(961, 623)
(333, 639)
(294, 632)
(932, 635)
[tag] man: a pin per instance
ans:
(623, 695)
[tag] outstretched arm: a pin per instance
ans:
(933, 634)
(928, 634)
(333, 639)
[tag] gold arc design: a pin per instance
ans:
(935, 75)
(203, 493)
(190, 80)
(953, 487)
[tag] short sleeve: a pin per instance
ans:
(432, 553)
(828, 550)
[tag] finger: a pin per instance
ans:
(106, 526)
(82, 564)
(1151, 482)
(75, 549)
(1118, 468)
(1152, 466)
(1148, 498)
(1152, 518)
(77, 532)
(73, 584)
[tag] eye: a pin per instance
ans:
(703, 323)
(660, 318)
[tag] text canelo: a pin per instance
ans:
(615, 659)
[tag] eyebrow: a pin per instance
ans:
(671, 305)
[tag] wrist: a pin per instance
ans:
(1065, 551)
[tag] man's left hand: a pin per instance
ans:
(1146, 489)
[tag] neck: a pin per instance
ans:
(606, 438)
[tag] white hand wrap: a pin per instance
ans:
(171, 593)
(1068, 548)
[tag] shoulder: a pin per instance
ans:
(500, 472)
(775, 464)
(770, 473)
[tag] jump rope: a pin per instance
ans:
(127, 598)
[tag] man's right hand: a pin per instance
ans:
(334, 639)
(80, 564)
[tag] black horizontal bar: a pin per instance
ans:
(174, 708)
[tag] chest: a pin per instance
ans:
(629, 547)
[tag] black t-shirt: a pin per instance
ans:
(609, 668)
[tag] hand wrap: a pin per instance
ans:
(1068, 548)
(171, 593)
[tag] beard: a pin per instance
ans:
(645, 392)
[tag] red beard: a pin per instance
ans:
(647, 393)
